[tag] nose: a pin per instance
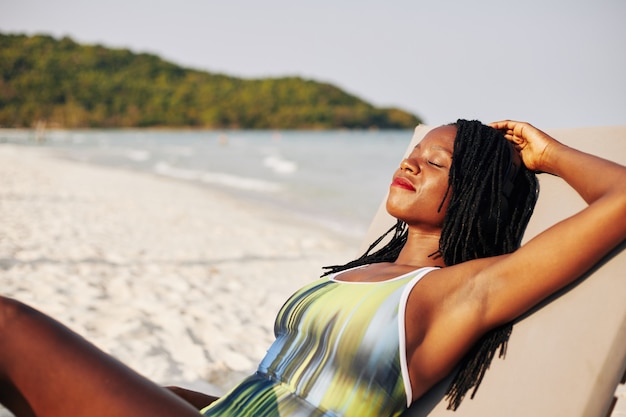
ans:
(409, 166)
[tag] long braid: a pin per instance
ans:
(491, 216)
(489, 208)
(387, 253)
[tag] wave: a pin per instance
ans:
(280, 165)
(138, 155)
(217, 178)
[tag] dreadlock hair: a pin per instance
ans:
(491, 198)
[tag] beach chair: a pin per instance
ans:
(567, 356)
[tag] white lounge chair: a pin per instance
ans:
(567, 356)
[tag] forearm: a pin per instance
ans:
(592, 177)
(593, 232)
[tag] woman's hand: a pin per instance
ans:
(533, 145)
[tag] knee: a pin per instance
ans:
(16, 329)
(10, 311)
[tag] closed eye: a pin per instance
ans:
(435, 164)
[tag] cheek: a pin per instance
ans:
(440, 201)
(445, 200)
(400, 205)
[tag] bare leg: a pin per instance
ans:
(46, 370)
(197, 399)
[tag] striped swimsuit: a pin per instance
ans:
(339, 351)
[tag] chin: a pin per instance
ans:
(393, 211)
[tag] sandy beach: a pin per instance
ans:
(180, 282)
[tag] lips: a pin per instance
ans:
(402, 183)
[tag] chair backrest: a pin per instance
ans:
(566, 356)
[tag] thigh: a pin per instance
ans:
(54, 372)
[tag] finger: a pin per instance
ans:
(517, 141)
(503, 124)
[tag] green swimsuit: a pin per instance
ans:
(339, 351)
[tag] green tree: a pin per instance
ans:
(70, 85)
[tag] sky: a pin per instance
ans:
(554, 63)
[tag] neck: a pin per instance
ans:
(421, 249)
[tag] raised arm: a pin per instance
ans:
(568, 249)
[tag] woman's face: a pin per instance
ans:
(420, 183)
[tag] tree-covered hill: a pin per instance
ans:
(64, 84)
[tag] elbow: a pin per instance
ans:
(619, 208)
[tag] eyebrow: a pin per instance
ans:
(436, 147)
(441, 148)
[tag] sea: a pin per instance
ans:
(336, 179)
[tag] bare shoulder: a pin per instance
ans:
(443, 320)
(448, 283)
(450, 296)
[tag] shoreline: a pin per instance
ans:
(302, 192)
(180, 282)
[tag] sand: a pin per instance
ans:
(180, 282)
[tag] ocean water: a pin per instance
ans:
(336, 179)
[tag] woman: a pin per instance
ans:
(342, 347)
